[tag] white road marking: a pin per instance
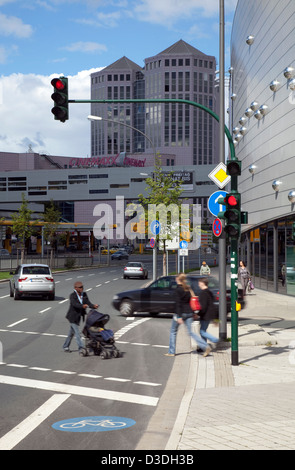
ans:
(4, 296)
(81, 391)
(117, 379)
(69, 279)
(64, 372)
(17, 434)
(87, 376)
(98, 285)
(151, 384)
(45, 310)
(90, 376)
(87, 290)
(16, 323)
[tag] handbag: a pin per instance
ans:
(194, 302)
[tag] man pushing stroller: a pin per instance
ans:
(79, 302)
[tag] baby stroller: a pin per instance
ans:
(98, 340)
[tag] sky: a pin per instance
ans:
(42, 39)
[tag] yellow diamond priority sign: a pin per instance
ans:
(219, 175)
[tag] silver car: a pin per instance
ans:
(135, 269)
(32, 279)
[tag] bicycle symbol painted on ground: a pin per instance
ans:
(94, 424)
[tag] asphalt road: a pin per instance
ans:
(40, 385)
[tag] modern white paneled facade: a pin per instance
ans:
(262, 116)
(268, 142)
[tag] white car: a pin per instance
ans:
(32, 279)
(135, 269)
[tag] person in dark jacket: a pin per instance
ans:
(79, 302)
(207, 312)
(184, 314)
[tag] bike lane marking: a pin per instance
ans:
(94, 424)
(23, 429)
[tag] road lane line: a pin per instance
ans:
(16, 323)
(22, 430)
(45, 310)
(4, 296)
(63, 301)
(117, 379)
(81, 391)
(151, 384)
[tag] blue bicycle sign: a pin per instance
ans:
(94, 424)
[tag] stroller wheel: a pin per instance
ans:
(83, 352)
(104, 355)
(116, 353)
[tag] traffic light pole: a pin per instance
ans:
(234, 298)
(234, 289)
(222, 238)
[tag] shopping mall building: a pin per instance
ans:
(262, 113)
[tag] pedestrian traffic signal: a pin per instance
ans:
(232, 214)
(60, 98)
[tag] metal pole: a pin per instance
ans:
(234, 297)
(222, 239)
(155, 261)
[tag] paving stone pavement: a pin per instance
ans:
(246, 407)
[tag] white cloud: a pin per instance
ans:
(170, 11)
(26, 118)
(13, 26)
(86, 47)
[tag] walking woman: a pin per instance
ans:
(184, 314)
(243, 276)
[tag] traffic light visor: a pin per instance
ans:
(58, 84)
(234, 168)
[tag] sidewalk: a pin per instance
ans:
(245, 407)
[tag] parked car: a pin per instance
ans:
(104, 251)
(4, 253)
(128, 248)
(159, 296)
(135, 269)
(32, 279)
(120, 254)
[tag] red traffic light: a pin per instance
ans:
(58, 84)
(232, 201)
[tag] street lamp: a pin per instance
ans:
(99, 118)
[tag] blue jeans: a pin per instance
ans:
(203, 332)
(74, 330)
(173, 332)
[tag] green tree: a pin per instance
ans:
(163, 196)
(52, 217)
(23, 226)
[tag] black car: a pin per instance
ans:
(159, 296)
(120, 255)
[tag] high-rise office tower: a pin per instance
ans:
(186, 135)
